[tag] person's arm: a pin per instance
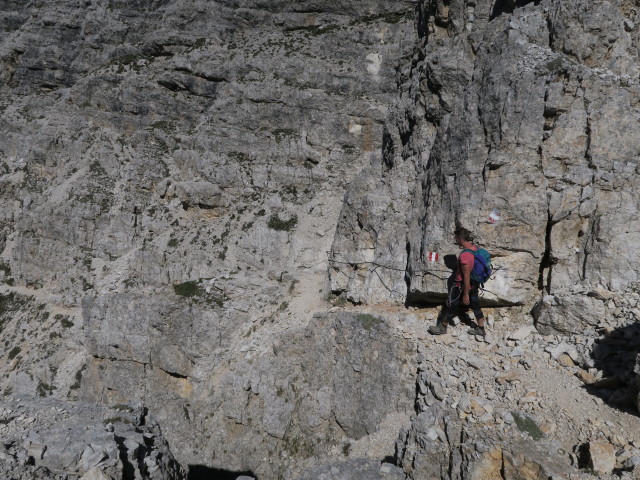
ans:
(466, 282)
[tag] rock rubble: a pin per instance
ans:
(56, 440)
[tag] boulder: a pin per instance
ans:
(602, 457)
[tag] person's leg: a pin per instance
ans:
(477, 312)
(449, 311)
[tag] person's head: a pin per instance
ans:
(462, 234)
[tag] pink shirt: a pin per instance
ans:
(465, 258)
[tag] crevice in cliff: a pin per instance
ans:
(503, 473)
(593, 231)
(128, 470)
(174, 374)
(203, 472)
(388, 149)
(548, 260)
(209, 78)
(407, 270)
(587, 131)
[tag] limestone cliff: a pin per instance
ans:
(218, 212)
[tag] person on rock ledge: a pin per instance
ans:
(464, 291)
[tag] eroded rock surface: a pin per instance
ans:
(315, 390)
(172, 174)
(51, 439)
(530, 113)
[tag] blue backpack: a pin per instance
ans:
(481, 265)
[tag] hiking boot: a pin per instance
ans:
(476, 331)
(438, 329)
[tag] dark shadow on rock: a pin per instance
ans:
(202, 472)
(420, 299)
(451, 262)
(390, 459)
(508, 6)
(616, 355)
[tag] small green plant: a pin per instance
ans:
(14, 352)
(276, 223)
(526, 424)
(64, 321)
(240, 157)
(348, 149)
(173, 243)
(122, 408)
(6, 269)
(44, 389)
(106, 421)
(289, 191)
(554, 64)
(338, 300)
(186, 289)
(76, 384)
(281, 133)
(368, 321)
(163, 125)
(193, 289)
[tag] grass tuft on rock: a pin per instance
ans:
(368, 321)
(526, 424)
(186, 289)
(276, 223)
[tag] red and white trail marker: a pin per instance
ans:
(433, 256)
(494, 216)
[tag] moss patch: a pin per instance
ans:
(14, 352)
(194, 290)
(277, 223)
(528, 425)
(368, 321)
(106, 421)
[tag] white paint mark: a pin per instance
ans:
(374, 63)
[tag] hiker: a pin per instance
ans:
(464, 291)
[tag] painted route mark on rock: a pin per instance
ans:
(494, 216)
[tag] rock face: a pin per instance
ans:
(529, 113)
(319, 388)
(174, 174)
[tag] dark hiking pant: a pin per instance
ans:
(455, 307)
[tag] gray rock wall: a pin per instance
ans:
(172, 173)
(313, 391)
(531, 112)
